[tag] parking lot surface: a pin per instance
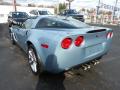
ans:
(15, 73)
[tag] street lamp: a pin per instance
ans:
(14, 5)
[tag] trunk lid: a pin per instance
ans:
(92, 35)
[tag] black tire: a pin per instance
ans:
(12, 38)
(39, 69)
(10, 24)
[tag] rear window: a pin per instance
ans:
(60, 22)
(71, 12)
(19, 15)
(44, 13)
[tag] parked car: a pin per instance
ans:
(57, 44)
(17, 17)
(73, 13)
(39, 12)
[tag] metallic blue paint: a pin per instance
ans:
(56, 59)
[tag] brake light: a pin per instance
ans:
(79, 41)
(66, 43)
(109, 35)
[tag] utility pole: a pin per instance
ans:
(115, 9)
(69, 3)
(14, 5)
(98, 7)
(97, 13)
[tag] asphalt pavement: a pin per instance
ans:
(15, 73)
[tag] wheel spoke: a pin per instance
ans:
(30, 54)
(32, 60)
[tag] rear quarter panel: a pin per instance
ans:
(50, 38)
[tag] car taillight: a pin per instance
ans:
(66, 43)
(79, 40)
(109, 35)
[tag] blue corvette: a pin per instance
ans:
(56, 44)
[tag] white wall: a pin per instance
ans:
(4, 10)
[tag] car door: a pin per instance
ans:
(22, 35)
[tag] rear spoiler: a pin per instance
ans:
(94, 31)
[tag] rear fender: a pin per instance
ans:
(36, 45)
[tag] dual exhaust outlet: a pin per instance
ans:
(88, 65)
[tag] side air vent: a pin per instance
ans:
(94, 31)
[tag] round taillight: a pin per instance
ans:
(79, 40)
(110, 35)
(66, 43)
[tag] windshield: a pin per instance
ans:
(44, 13)
(19, 15)
(60, 22)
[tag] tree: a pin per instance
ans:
(109, 13)
(69, 1)
(83, 10)
(62, 6)
(31, 5)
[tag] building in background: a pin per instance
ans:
(6, 7)
(86, 7)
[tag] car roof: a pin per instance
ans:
(69, 9)
(18, 12)
(39, 10)
(52, 16)
(55, 17)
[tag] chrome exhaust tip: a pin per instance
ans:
(88, 66)
(84, 67)
(97, 61)
(94, 62)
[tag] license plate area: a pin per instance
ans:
(94, 49)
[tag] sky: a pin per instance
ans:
(75, 3)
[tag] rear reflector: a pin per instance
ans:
(44, 45)
(109, 35)
(79, 41)
(66, 43)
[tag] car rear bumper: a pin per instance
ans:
(65, 59)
